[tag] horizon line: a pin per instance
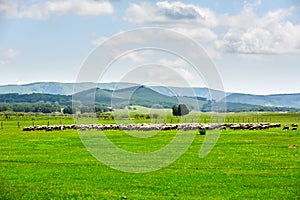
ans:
(204, 87)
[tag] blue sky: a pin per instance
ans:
(255, 45)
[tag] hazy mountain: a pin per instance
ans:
(137, 95)
(68, 88)
(150, 94)
(190, 92)
(59, 88)
(279, 100)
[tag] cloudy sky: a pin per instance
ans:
(255, 45)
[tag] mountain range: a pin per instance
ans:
(119, 93)
(59, 88)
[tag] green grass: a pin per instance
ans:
(56, 165)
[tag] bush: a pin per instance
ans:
(154, 116)
(202, 131)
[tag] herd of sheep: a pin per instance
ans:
(149, 127)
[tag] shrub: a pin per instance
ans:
(202, 131)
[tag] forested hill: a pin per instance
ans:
(138, 95)
(273, 100)
(36, 98)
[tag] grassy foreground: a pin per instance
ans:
(56, 165)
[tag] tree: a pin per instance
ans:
(68, 110)
(3, 108)
(175, 110)
(183, 110)
(45, 108)
(180, 110)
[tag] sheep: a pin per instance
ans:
(286, 127)
(164, 126)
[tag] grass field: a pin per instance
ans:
(243, 165)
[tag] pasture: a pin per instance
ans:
(244, 164)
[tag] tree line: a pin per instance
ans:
(51, 108)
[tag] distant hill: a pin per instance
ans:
(137, 95)
(42, 87)
(59, 88)
(68, 88)
(183, 91)
(279, 100)
(35, 98)
(150, 94)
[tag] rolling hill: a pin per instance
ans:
(149, 95)
(35, 98)
(278, 100)
(190, 92)
(59, 88)
(137, 95)
(68, 88)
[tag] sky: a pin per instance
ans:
(254, 45)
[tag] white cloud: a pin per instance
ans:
(197, 33)
(79, 7)
(43, 10)
(284, 38)
(4, 62)
(169, 13)
(181, 67)
(135, 56)
(173, 63)
(188, 19)
(99, 40)
(156, 74)
(11, 53)
(140, 56)
(7, 55)
(244, 33)
(249, 33)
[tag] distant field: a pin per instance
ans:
(243, 165)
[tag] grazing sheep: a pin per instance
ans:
(293, 147)
(30, 128)
(164, 126)
(286, 127)
(235, 127)
(275, 125)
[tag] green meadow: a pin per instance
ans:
(243, 164)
